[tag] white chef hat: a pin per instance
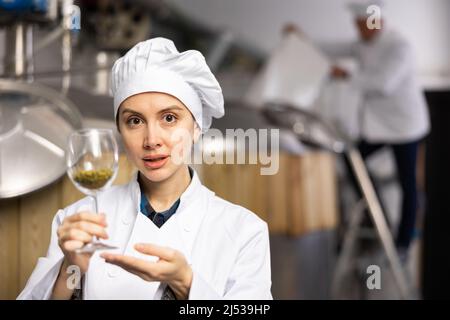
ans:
(155, 65)
(359, 8)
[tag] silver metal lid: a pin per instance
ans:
(308, 127)
(35, 122)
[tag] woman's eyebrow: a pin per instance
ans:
(170, 108)
(126, 110)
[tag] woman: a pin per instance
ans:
(175, 238)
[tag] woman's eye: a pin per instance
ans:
(170, 118)
(133, 121)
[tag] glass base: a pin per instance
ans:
(94, 246)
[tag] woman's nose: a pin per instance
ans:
(153, 137)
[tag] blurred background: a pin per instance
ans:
(285, 65)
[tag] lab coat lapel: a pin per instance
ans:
(179, 232)
(192, 211)
(142, 229)
(188, 218)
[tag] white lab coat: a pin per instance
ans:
(394, 108)
(226, 245)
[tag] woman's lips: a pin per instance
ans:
(155, 163)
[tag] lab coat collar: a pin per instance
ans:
(189, 199)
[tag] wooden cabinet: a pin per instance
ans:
(300, 198)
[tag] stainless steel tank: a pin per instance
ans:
(35, 122)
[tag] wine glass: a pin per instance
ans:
(92, 165)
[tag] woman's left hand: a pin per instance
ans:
(171, 268)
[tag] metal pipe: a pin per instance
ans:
(66, 52)
(14, 61)
(29, 53)
(219, 50)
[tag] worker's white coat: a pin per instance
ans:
(394, 108)
(226, 245)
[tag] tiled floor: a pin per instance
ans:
(302, 268)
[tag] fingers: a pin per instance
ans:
(80, 228)
(72, 245)
(125, 261)
(89, 217)
(88, 222)
(139, 267)
(75, 234)
(164, 253)
(91, 228)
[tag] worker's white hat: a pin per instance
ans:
(155, 65)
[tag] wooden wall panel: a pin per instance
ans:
(313, 194)
(295, 199)
(36, 212)
(300, 198)
(69, 193)
(126, 170)
(251, 192)
(9, 249)
(216, 178)
(277, 197)
(328, 217)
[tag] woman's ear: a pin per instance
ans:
(117, 124)
(197, 132)
(117, 118)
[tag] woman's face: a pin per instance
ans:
(150, 124)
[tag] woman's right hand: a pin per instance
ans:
(78, 230)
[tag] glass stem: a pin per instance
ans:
(95, 204)
(95, 239)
